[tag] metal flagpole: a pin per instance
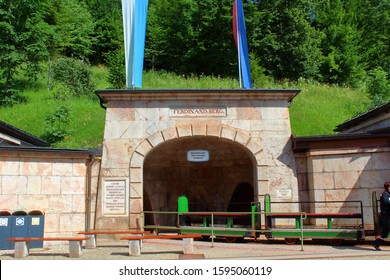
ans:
(238, 48)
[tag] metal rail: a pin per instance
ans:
(215, 229)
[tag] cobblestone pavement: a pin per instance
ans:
(172, 249)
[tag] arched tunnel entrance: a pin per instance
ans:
(223, 183)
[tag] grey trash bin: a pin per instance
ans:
(36, 224)
(19, 223)
(5, 230)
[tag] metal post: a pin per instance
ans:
(301, 222)
(212, 230)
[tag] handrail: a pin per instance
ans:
(302, 215)
(348, 203)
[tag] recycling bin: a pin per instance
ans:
(19, 224)
(36, 223)
(5, 230)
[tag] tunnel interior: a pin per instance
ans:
(223, 183)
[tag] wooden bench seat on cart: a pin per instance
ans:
(91, 235)
(22, 245)
(328, 216)
(317, 215)
(135, 248)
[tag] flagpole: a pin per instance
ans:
(239, 59)
(239, 31)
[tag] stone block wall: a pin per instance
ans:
(343, 175)
(52, 182)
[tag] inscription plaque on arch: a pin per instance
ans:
(197, 112)
(115, 197)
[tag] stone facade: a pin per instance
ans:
(253, 125)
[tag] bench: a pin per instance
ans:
(206, 215)
(91, 235)
(188, 242)
(327, 216)
(22, 245)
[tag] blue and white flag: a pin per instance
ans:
(134, 27)
(239, 31)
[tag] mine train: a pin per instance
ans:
(334, 221)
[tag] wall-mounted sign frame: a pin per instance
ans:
(284, 193)
(198, 155)
(115, 197)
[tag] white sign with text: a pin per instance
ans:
(198, 155)
(115, 197)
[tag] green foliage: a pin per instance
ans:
(260, 80)
(378, 86)
(331, 41)
(108, 30)
(10, 96)
(373, 21)
(116, 68)
(75, 27)
(55, 125)
(191, 37)
(72, 74)
(61, 92)
(319, 108)
(289, 46)
(23, 37)
(342, 58)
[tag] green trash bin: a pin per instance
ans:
(5, 229)
(36, 224)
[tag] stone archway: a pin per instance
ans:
(139, 121)
(164, 172)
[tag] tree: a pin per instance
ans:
(169, 40)
(373, 20)
(108, 31)
(24, 36)
(75, 27)
(284, 38)
(378, 86)
(340, 46)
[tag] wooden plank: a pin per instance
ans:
(317, 215)
(30, 239)
(161, 237)
(98, 232)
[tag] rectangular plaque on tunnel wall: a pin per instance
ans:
(198, 155)
(115, 197)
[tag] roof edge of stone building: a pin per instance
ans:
(196, 94)
(89, 152)
(22, 135)
(384, 108)
(340, 141)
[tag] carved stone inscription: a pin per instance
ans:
(197, 112)
(115, 197)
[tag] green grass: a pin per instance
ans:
(317, 110)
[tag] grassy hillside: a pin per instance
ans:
(317, 110)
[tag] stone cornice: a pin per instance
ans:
(196, 94)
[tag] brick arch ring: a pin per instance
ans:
(241, 137)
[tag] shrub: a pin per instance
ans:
(55, 128)
(378, 86)
(116, 68)
(73, 74)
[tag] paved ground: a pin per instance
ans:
(252, 250)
